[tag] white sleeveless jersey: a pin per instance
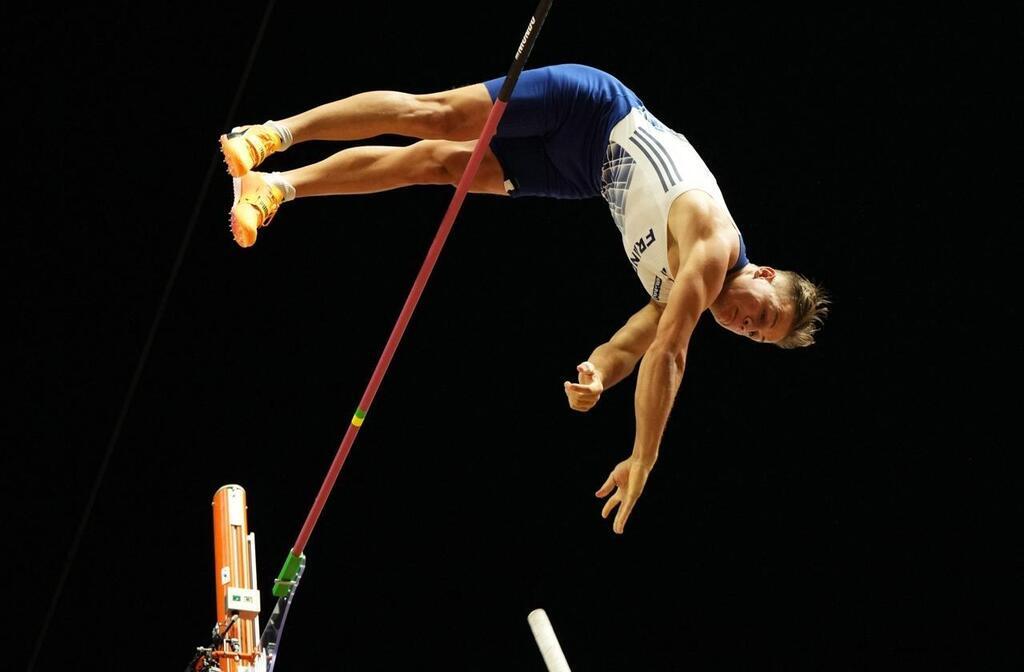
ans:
(646, 167)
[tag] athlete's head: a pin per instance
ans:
(771, 306)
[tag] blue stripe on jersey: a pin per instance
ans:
(650, 159)
(664, 153)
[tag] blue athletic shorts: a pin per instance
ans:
(553, 137)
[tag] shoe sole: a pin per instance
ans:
(242, 229)
(236, 154)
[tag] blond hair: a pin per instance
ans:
(810, 306)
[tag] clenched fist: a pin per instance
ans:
(584, 394)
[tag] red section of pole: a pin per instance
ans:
(532, 31)
(403, 320)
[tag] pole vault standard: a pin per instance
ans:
(291, 566)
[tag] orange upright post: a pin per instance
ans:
(238, 600)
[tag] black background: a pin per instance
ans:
(832, 508)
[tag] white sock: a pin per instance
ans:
(278, 180)
(283, 131)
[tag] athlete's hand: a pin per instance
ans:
(627, 479)
(584, 394)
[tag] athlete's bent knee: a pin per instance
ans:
(453, 157)
(444, 162)
(426, 162)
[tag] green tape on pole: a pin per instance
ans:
(357, 419)
(284, 580)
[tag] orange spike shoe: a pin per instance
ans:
(245, 148)
(256, 203)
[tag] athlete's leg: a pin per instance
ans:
(367, 169)
(458, 114)
(449, 123)
(359, 170)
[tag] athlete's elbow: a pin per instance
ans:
(667, 354)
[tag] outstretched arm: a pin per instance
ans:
(610, 362)
(698, 282)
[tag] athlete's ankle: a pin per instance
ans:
(283, 132)
(279, 181)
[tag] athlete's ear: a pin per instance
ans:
(766, 272)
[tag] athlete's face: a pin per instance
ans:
(752, 305)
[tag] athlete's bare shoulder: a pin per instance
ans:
(696, 218)
(695, 214)
(695, 204)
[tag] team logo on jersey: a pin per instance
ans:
(652, 120)
(656, 292)
(640, 246)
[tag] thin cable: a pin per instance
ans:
(151, 336)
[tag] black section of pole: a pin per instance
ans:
(523, 52)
